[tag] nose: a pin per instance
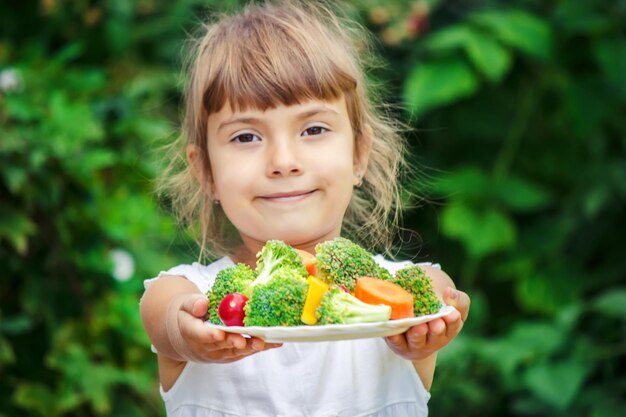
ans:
(283, 159)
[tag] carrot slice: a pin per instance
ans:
(309, 261)
(376, 291)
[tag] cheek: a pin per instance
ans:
(231, 178)
(336, 171)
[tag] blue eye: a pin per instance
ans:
(314, 131)
(246, 138)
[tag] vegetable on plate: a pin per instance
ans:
(377, 291)
(231, 309)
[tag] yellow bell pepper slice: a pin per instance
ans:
(314, 295)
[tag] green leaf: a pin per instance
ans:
(491, 59)
(527, 341)
(72, 125)
(611, 303)
(7, 355)
(580, 18)
(474, 184)
(16, 324)
(21, 108)
(438, 83)
(520, 194)
(68, 53)
(35, 397)
(549, 289)
(90, 161)
(15, 178)
(588, 103)
(487, 55)
(16, 228)
(451, 37)
(611, 56)
(557, 383)
(94, 380)
(481, 232)
(519, 29)
(469, 182)
(45, 401)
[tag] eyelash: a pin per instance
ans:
(320, 129)
(236, 138)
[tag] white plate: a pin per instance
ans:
(332, 332)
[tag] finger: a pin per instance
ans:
(196, 304)
(227, 355)
(419, 330)
(453, 328)
(259, 345)
(417, 337)
(214, 335)
(436, 337)
(397, 342)
(452, 317)
(459, 300)
(230, 341)
(436, 327)
(237, 341)
(233, 353)
(194, 329)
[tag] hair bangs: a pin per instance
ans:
(264, 65)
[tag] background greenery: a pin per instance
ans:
(520, 110)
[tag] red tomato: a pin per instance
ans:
(231, 307)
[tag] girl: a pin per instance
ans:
(282, 142)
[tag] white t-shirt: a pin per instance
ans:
(314, 379)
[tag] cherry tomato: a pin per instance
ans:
(231, 307)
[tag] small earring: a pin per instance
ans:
(359, 178)
(214, 200)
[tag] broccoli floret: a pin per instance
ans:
(383, 273)
(229, 280)
(339, 307)
(278, 301)
(340, 261)
(414, 280)
(275, 256)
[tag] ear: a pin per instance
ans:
(200, 169)
(362, 149)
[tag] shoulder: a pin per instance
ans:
(440, 279)
(201, 275)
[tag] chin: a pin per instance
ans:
(297, 236)
(292, 237)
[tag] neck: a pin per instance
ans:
(246, 253)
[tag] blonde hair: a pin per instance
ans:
(285, 53)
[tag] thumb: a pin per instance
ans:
(459, 300)
(195, 304)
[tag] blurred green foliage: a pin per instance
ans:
(519, 111)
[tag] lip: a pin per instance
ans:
(288, 196)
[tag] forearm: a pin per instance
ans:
(159, 307)
(425, 368)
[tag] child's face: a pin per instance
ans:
(285, 173)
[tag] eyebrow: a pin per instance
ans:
(303, 115)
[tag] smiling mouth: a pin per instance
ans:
(287, 196)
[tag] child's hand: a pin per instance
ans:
(194, 341)
(424, 339)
